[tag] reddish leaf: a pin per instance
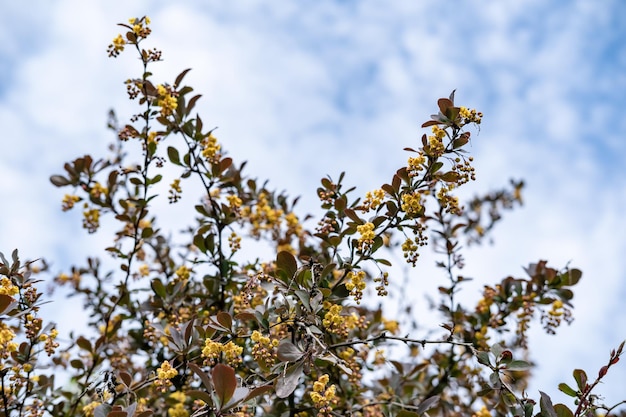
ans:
(224, 382)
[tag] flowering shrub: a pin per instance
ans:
(196, 329)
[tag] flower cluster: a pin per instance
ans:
(366, 239)
(373, 199)
(69, 201)
(210, 148)
(341, 325)
(470, 116)
(230, 352)
(263, 349)
(415, 164)
(164, 374)
(435, 147)
(356, 284)
(166, 100)
(324, 398)
(91, 218)
(412, 204)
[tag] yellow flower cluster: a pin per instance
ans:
(234, 242)
(6, 341)
(483, 412)
(324, 398)
(334, 322)
(409, 251)
(144, 270)
(175, 191)
(263, 349)
(88, 410)
(416, 164)
(7, 287)
(164, 374)
(166, 100)
(183, 273)
(91, 219)
(373, 199)
(230, 352)
(470, 116)
(435, 146)
(412, 204)
(97, 190)
(210, 148)
(367, 235)
(68, 201)
(356, 285)
(179, 409)
(234, 202)
(262, 216)
(449, 202)
(50, 345)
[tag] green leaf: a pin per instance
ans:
(483, 358)
(172, 153)
(518, 365)
(224, 383)
(286, 262)
(563, 387)
(581, 379)
(158, 288)
(427, 404)
(563, 411)
(200, 395)
(405, 413)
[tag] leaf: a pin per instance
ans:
(288, 352)
(483, 358)
(563, 387)
(180, 77)
(225, 319)
(547, 409)
(200, 395)
(7, 301)
(158, 287)
(405, 413)
(172, 153)
(206, 381)
(581, 379)
(224, 382)
(563, 411)
(258, 391)
(286, 261)
(518, 365)
(59, 180)
(427, 404)
(287, 383)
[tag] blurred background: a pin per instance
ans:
(305, 89)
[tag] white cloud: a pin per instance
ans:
(302, 93)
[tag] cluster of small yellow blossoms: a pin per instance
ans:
(166, 100)
(64, 278)
(50, 343)
(140, 30)
(210, 148)
(32, 325)
(262, 216)
(483, 412)
(89, 409)
(144, 270)
(234, 242)
(335, 323)
(373, 199)
(383, 282)
(484, 304)
(7, 287)
(69, 201)
(230, 352)
(366, 239)
(412, 204)
(97, 190)
(175, 191)
(324, 398)
(435, 147)
(470, 116)
(263, 349)
(409, 251)
(356, 285)
(182, 273)
(465, 170)
(234, 202)
(179, 409)
(557, 313)
(7, 345)
(449, 202)
(91, 218)
(349, 356)
(164, 374)
(416, 164)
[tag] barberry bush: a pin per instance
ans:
(188, 319)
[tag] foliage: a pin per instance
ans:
(204, 328)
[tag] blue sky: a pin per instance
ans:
(303, 89)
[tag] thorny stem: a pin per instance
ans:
(385, 336)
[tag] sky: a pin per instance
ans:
(305, 89)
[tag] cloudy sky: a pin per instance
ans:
(303, 89)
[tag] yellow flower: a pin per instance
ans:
(7, 287)
(412, 204)
(356, 284)
(183, 272)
